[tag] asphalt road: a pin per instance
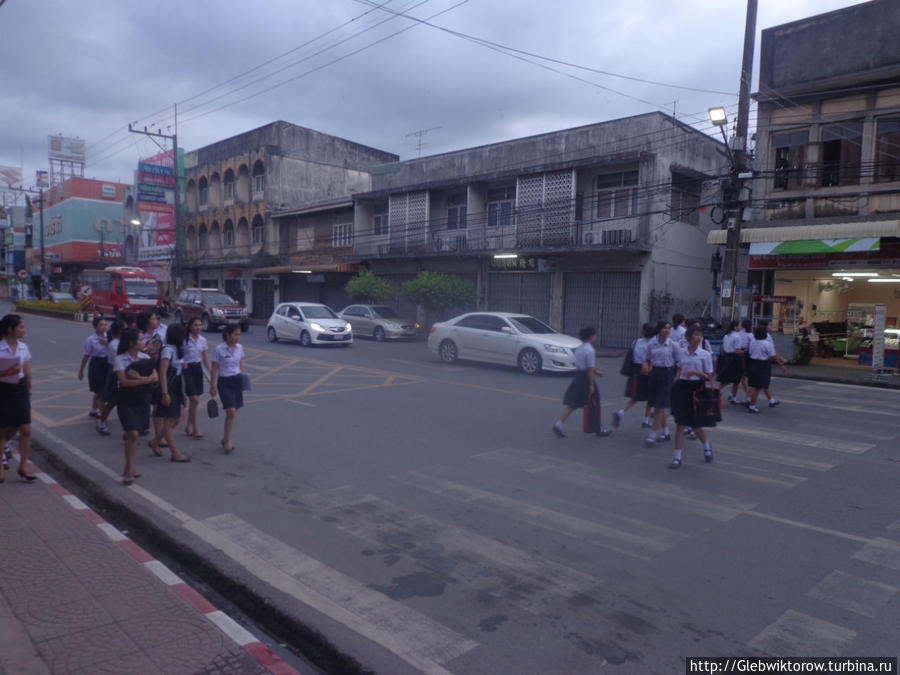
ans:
(422, 517)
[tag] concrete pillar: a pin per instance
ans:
(557, 297)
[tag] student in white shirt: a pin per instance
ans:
(195, 360)
(759, 368)
(15, 391)
(581, 388)
(153, 332)
(662, 357)
(95, 355)
(731, 363)
(111, 388)
(171, 394)
(225, 379)
(636, 385)
(134, 396)
(695, 372)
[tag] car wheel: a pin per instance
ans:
(178, 317)
(305, 339)
(530, 362)
(378, 334)
(271, 335)
(448, 351)
(204, 321)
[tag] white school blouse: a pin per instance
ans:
(700, 360)
(21, 352)
(193, 349)
(94, 346)
(229, 362)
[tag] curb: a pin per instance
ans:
(232, 630)
(839, 380)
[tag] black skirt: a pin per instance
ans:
(759, 373)
(176, 400)
(98, 368)
(578, 391)
(231, 391)
(111, 389)
(683, 402)
(659, 386)
(731, 369)
(636, 385)
(134, 416)
(15, 405)
(193, 379)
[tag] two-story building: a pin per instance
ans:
(602, 225)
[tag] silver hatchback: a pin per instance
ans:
(380, 321)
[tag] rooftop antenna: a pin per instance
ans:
(418, 134)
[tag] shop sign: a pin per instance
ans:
(155, 195)
(157, 169)
(108, 191)
(154, 179)
(774, 299)
(514, 264)
(878, 336)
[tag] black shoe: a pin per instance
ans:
(753, 409)
(559, 433)
(94, 413)
(646, 425)
(774, 404)
(676, 464)
(26, 476)
(707, 456)
(663, 439)
(691, 435)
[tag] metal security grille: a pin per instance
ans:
(408, 215)
(529, 202)
(609, 301)
(525, 292)
(545, 209)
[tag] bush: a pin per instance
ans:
(47, 305)
(439, 292)
(367, 288)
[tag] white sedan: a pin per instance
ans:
(504, 338)
(308, 323)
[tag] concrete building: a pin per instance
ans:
(826, 191)
(607, 222)
(15, 249)
(245, 198)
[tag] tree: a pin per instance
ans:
(439, 292)
(368, 288)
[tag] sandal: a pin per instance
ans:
(128, 479)
(196, 436)
(155, 448)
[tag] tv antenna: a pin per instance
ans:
(418, 134)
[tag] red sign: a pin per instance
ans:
(775, 299)
(22, 274)
(150, 207)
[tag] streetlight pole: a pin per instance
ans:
(43, 266)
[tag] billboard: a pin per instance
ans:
(10, 175)
(83, 230)
(66, 149)
(156, 206)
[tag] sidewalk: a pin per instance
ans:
(845, 371)
(78, 597)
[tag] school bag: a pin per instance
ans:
(707, 404)
(628, 362)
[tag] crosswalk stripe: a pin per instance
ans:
(807, 440)
(845, 407)
(884, 552)
(780, 458)
(757, 474)
(799, 634)
(853, 593)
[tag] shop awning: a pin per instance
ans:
(815, 246)
(287, 269)
(826, 232)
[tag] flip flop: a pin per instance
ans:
(197, 436)
(154, 448)
(180, 461)
(128, 479)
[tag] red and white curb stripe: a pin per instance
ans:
(225, 623)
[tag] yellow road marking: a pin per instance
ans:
(321, 380)
(274, 370)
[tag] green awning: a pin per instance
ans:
(815, 246)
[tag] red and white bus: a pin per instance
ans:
(122, 289)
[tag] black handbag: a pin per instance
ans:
(627, 368)
(707, 404)
(212, 408)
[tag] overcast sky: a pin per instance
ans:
(90, 67)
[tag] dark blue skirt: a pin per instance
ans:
(231, 391)
(578, 391)
(15, 405)
(659, 387)
(98, 369)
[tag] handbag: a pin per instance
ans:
(212, 408)
(707, 406)
(627, 368)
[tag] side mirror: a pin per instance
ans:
(506, 329)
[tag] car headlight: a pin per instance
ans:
(217, 312)
(553, 349)
(316, 326)
(348, 327)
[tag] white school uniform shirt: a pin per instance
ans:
(663, 355)
(678, 333)
(732, 342)
(21, 352)
(171, 352)
(125, 360)
(230, 362)
(193, 349)
(111, 350)
(746, 339)
(639, 350)
(700, 360)
(585, 356)
(93, 346)
(762, 350)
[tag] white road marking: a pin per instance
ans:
(45, 477)
(810, 527)
(853, 593)
(854, 388)
(884, 552)
(807, 440)
(781, 458)
(231, 628)
(757, 474)
(845, 408)
(76, 503)
(293, 400)
(111, 532)
(163, 573)
(799, 634)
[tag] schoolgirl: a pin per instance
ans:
(153, 332)
(695, 371)
(581, 388)
(746, 338)
(662, 356)
(637, 383)
(111, 386)
(134, 396)
(195, 360)
(95, 358)
(225, 379)
(171, 393)
(15, 390)
(731, 364)
(759, 368)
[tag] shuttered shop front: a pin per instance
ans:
(522, 292)
(609, 301)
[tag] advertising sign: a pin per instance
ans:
(66, 149)
(155, 179)
(155, 195)
(10, 175)
(42, 179)
(878, 336)
(156, 206)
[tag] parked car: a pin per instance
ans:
(379, 321)
(504, 338)
(213, 307)
(308, 323)
(60, 296)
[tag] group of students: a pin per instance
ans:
(670, 363)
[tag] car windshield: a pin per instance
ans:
(528, 324)
(318, 313)
(385, 312)
(141, 288)
(218, 299)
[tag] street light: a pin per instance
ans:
(718, 116)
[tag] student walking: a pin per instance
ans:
(226, 381)
(759, 368)
(15, 390)
(134, 396)
(153, 332)
(679, 328)
(746, 335)
(695, 372)
(581, 388)
(731, 364)
(111, 386)
(637, 383)
(171, 394)
(195, 360)
(95, 358)
(662, 356)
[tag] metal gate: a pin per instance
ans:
(609, 301)
(295, 288)
(523, 292)
(263, 298)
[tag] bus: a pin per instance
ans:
(122, 289)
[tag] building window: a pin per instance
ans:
(617, 194)
(203, 192)
(380, 224)
(342, 235)
(203, 239)
(500, 203)
(686, 198)
(228, 234)
(790, 156)
(259, 178)
(258, 231)
(887, 150)
(456, 212)
(229, 186)
(841, 154)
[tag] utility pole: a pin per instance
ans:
(735, 196)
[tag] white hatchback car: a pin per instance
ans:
(308, 323)
(504, 338)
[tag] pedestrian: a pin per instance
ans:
(171, 394)
(15, 390)
(695, 372)
(773, 402)
(683, 345)
(759, 368)
(134, 396)
(111, 387)
(153, 332)
(679, 328)
(95, 358)
(731, 364)
(637, 383)
(196, 360)
(746, 338)
(225, 379)
(662, 356)
(581, 388)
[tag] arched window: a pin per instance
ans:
(203, 192)
(190, 240)
(203, 239)
(190, 196)
(228, 186)
(215, 239)
(228, 234)
(258, 230)
(242, 186)
(259, 178)
(215, 191)
(243, 236)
